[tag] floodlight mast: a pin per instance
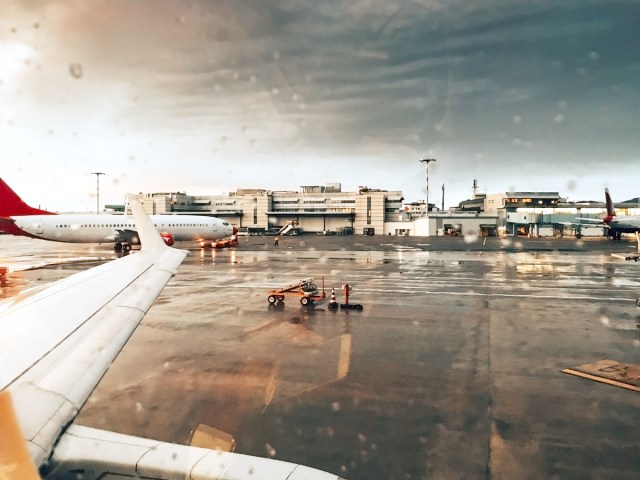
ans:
(97, 174)
(427, 161)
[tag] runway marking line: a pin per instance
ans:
(611, 372)
(503, 295)
(345, 356)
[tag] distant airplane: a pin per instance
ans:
(619, 225)
(614, 224)
(18, 218)
(58, 341)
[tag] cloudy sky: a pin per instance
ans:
(208, 96)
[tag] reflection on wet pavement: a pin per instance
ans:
(452, 369)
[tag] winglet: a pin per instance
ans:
(150, 239)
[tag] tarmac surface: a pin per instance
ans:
(451, 370)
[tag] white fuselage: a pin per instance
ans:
(91, 228)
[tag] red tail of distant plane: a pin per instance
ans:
(11, 205)
(611, 213)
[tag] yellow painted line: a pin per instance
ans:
(595, 378)
(15, 461)
(206, 436)
(344, 360)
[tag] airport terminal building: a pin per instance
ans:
(372, 211)
(311, 209)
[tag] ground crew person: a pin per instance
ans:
(276, 240)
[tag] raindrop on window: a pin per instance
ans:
(75, 69)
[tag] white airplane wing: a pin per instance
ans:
(584, 222)
(589, 221)
(57, 342)
(630, 256)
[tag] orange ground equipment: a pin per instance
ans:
(231, 241)
(346, 288)
(227, 242)
(305, 290)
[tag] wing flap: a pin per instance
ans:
(92, 454)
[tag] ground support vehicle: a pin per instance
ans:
(231, 241)
(226, 242)
(305, 290)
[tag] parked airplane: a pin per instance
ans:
(619, 225)
(18, 218)
(58, 341)
(614, 224)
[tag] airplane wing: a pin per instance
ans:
(590, 221)
(584, 222)
(635, 257)
(630, 256)
(57, 342)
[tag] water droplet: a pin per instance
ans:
(75, 69)
(270, 450)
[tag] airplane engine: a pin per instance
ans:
(168, 238)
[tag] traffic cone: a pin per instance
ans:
(332, 301)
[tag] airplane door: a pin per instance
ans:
(38, 228)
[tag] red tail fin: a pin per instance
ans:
(611, 213)
(11, 205)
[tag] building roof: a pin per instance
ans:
(532, 194)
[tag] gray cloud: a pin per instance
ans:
(368, 82)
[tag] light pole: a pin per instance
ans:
(428, 161)
(97, 174)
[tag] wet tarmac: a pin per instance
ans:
(451, 370)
